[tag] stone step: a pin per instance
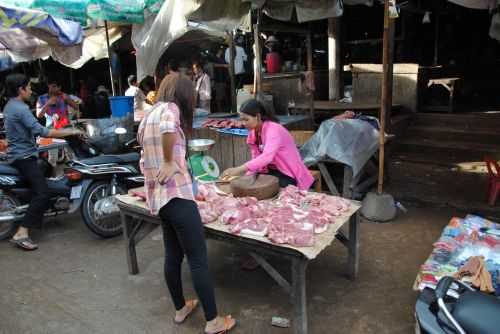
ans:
(471, 122)
(456, 151)
(443, 134)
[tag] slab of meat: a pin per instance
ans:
(223, 124)
(291, 232)
(254, 227)
(141, 194)
(236, 215)
(207, 213)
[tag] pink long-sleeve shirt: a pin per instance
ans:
(278, 149)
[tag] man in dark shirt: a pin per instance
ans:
(21, 129)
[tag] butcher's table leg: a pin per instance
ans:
(328, 178)
(353, 246)
(299, 266)
(128, 224)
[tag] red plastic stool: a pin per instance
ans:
(494, 180)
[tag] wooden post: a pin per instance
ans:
(113, 90)
(335, 63)
(258, 56)
(386, 100)
(309, 52)
(232, 54)
(310, 68)
(436, 39)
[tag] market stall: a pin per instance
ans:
(138, 222)
(472, 239)
(230, 147)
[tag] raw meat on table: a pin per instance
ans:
(222, 124)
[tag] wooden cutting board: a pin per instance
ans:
(262, 187)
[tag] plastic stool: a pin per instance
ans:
(494, 180)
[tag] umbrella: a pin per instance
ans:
(124, 11)
(27, 34)
(120, 11)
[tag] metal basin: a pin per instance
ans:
(200, 145)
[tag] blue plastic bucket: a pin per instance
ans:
(121, 105)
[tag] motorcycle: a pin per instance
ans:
(89, 184)
(456, 308)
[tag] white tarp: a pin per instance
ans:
(475, 4)
(94, 45)
(157, 34)
(495, 24)
(307, 10)
(23, 45)
(352, 142)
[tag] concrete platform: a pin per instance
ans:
(76, 283)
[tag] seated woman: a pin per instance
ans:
(272, 147)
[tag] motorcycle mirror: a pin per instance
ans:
(120, 131)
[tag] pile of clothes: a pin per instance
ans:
(294, 218)
(468, 249)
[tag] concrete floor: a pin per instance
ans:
(76, 283)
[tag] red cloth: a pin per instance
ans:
(273, 61)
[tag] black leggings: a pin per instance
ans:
(33, 174)
(284, 180)
(183, 235)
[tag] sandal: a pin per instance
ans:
(229, 323)
(24, 243)
(192, 305)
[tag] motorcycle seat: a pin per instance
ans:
(477, 312)
(113, 159)
(7, 169)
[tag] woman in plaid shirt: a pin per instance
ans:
(169, 194)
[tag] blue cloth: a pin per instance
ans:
(21, 128)
(67, 32)
(236, 132)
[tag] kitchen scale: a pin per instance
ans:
(203, 167)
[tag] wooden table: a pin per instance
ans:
(449, 85)
(336, 107)
(138, 222)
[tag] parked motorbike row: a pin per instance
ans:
(89, 184)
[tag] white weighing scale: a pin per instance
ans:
(203, 167)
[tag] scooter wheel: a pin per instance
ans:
(7, 202)
(104, 227)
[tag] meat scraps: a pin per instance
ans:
(223, 124)
(293, 219)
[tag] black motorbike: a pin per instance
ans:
(456, 308)
(89, 184)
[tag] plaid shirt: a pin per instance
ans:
(163, 118)
(60, 108)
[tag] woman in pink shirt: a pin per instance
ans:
(272, 147)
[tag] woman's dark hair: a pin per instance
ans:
(173, 64)
(13, 82)
(179, 89)
(54, 81)
(254, 107)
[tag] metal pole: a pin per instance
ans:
(436, 38)
(386, 100)
(232, 53)
(258, 56)
(109, 59)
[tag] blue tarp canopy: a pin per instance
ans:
(31, 34)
